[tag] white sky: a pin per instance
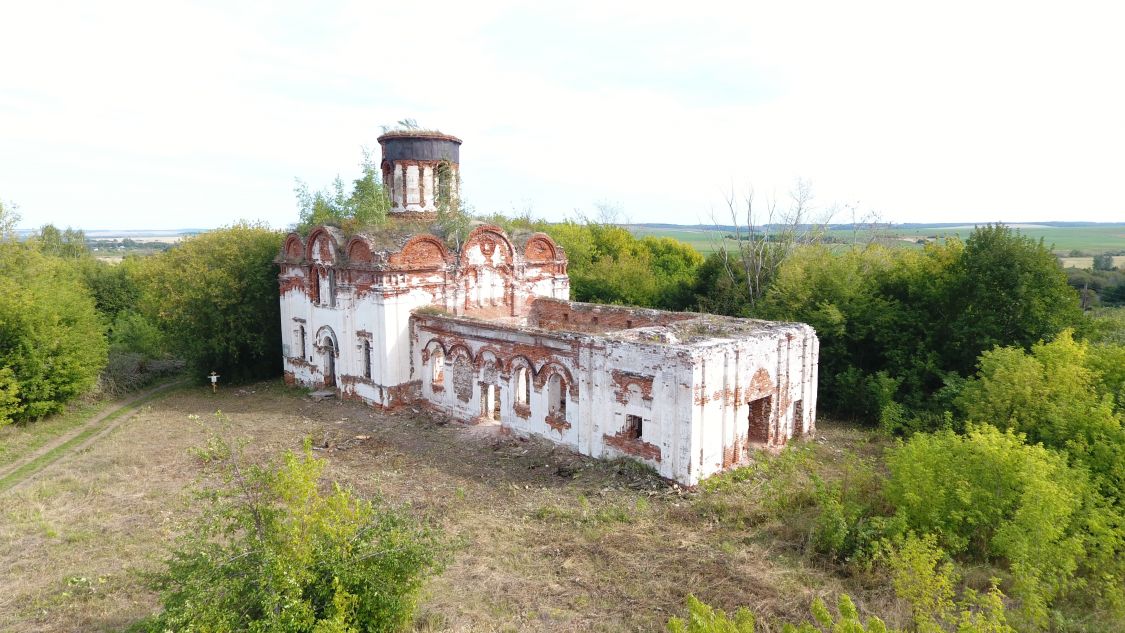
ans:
(195, 114)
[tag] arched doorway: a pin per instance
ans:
(329, 350)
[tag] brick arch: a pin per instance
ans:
(501, 364)
(432, 346)
(457, 349)
(358, 250)
(553, 367)
(489, 237)
(294, 248)
(322, 243)
(422, 251)
(326, 331)
(541, 248)
(521, 361)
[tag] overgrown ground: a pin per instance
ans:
(544, 540)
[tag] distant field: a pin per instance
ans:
(1091, 240)
(1088, 262)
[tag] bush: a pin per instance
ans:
(52, 343)
(273, 553)
(1059, 394)
(989, 496)
(216, 297)
(831, 510)
(703, 618)
(927, 582)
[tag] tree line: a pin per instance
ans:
(71, 325)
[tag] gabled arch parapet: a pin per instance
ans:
(358, 250)
(540, 248)
(490, 238)
(293, 250)
(324, 244)
(421, 251)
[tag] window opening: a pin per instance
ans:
(437, 370)
(634, 426)
(301, 334)
(798, 417)
(556, 392)
(523, 386)
(314, 285)
(367, 359)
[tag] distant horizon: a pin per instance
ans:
(115, 232)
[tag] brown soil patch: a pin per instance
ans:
(545, 540)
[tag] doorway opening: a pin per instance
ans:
(329, 362)
(759, 423)
(490, 402)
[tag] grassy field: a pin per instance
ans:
(544, 540)
(1090, 240)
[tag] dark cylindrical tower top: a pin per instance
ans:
(419, 169)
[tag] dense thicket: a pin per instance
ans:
(899, 325)
(52, 342)
(216, 296)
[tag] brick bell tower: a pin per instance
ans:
(420, 169)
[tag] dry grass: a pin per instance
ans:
(544, 540)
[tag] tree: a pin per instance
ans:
(765, 236)
(1005, 289)
(271, 552)
(1103, 262)
(68, 244)
(216, 297)
(367, 204)
(9, 217)
(52, 343)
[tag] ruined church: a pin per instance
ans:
(480, 327)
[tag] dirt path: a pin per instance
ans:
(19, 472)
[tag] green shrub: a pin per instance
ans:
(1059, 394)
(271, 552)
(832, 509)
(928, 583)
(51, 340)
(135, 333)
(216, 297)
(703, 618)
(989, 496)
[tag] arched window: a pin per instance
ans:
(556, 395)
(437, 367)
(523, 386)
